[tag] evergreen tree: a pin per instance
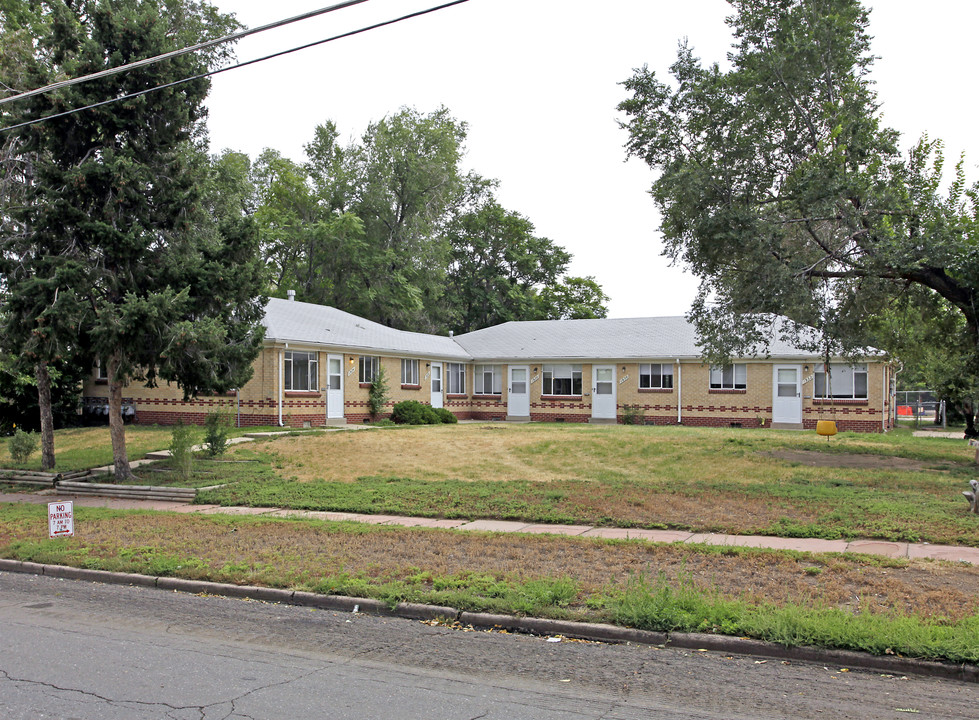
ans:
(119, 218)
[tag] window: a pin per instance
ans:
(457, 379)
(301, 371)
(729, 377)
(369, 367)
(562, 380)
(489, 380)
(409, 372)
(656, 376)
(101, 372)
(845, 382)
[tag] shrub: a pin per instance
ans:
(407, 412)
(377, 396)
(182, 449)
(633, 415)
(22, 445)
(445, 416)
(215, 434)
(412, 412)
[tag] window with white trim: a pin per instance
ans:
(488, 380)
(301, 371)
(562, 380)
(729, 377)
(656, 376)
(369, 367)
(843, 382)
(457, 379)
(101, 371)
(409, 372)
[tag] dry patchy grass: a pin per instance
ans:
(466, 452)
(892, 487)
(300, 553)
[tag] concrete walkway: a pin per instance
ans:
(912, 551)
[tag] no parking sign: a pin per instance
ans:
(61, 519)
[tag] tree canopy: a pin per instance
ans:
(390, 227)
(784, 192)
(121, 247)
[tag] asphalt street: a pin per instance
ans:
(75, 649)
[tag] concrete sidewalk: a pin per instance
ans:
(884, 548)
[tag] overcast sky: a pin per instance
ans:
(537, 83)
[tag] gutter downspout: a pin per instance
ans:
(894, 398)
(884, 394)
(282, 363)
(679, 393)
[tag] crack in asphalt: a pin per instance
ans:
(171, 709)
(87, 693)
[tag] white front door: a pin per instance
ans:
(334, 386)
(518, 393)
(787, 394)
(603, 398)
(436, 385)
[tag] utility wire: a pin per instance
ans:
(182, 51)
(235, 67)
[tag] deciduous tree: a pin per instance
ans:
(499, 264)
(780, 187)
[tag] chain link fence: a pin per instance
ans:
(919, 407)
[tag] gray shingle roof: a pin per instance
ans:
(612, 339)
(299, 322)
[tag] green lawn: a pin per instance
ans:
(684, 478)
(85, 448)
(709, 479)
(703, 479)
(89, 447)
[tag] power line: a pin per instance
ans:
(235, 67)
(182, 51)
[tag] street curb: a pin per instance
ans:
(598, 632)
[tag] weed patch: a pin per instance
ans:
(909, 607)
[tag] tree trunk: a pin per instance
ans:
(970, 420)
(117, 430)
(47, 416)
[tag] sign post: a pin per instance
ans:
(61, 519)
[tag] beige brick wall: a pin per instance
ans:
(257, 401)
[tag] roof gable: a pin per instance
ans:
(299, 322)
